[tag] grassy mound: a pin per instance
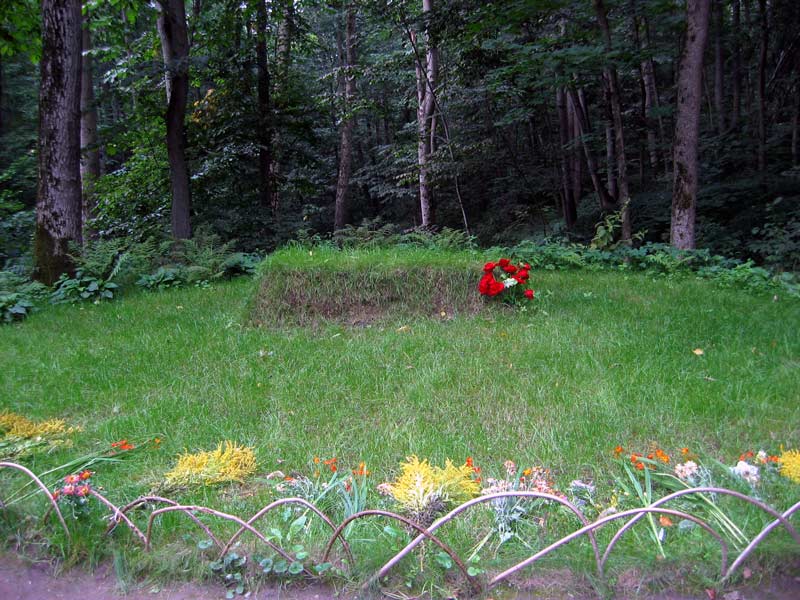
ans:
(302, 287)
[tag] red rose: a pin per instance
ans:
(485, 283)
(495, 287)
(527, 267)
(489, 267)
(510, 269)
(521, 276)
(529, 294)
(504, 262)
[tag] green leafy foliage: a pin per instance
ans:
(82, 288)
(14, 307)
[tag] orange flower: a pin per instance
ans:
(55, 494)
(361, 471)
(684, 451)
(650, 456)
(618, 450)
(85, 475)
(527, 472)
(640, 466)
(316, 460)
(331, 463)
(635, 457)
(72, 479)
(665, 521)
(468, 462)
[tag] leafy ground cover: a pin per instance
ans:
(599, 360)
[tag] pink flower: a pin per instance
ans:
(69, 490)
(83, 490)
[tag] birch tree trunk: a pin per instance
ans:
(426, 106)
(58, 203)
(687, 125)
(348, 123)
(175, 44)
(90, 153)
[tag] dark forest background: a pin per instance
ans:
(304, 116)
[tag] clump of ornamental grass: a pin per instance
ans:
(20, 435)
(423, 490)
(229, 462)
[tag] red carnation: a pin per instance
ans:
(489, 267)
(529, 294)
(504, 262)
(510, 269)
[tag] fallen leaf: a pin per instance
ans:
(698, 352)
(403, 329)
(443, 314)
(665, 521)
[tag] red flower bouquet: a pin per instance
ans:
(512, 283)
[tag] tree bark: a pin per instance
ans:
(175, 42)
(576, 163)
(604, 200)
(568, 208)
(426, 106)
(90, 153)
(58, 204)
(736, 83)
(619, 139)
(762, 88)
(719, 74)
(265, 157)
(687, 125)
(348, 122)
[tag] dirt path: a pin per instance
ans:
(25, 580)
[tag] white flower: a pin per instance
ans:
(761, 456)
(510, 282)
(687, 470)
(578, 486)
(746, 471)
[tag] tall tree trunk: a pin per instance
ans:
(796, 124)
(736, 107)
(611, 160)
(346, 142)
(619, 139)
(426, 106)
(649, 96)
(687, 125)
(762, 87)
(281, 83)
(568, 208)
(264, 121)
(166, 50)
(575, 157)
(582, 120)
(719, 75)
(90, 153)
(58, 204)
(175, 42)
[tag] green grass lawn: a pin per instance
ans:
(600, 360)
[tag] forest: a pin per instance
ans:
(263, 121)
